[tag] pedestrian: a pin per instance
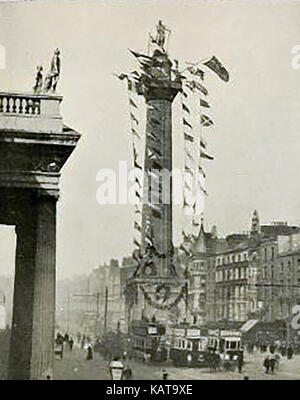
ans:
(272, 362)
(89, 355)
(272, 348)
(246, 377)
(164, 375)
(266, 364)
(71, 342)
(240, 361)
(290, 352)
(127, 372)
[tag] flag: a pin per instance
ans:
(155, 149)
(134, 132)
(134, 118)
(189, 155)
(122, 76)
(204, 155)
(202, 188)
(204, 103)
(188, 137)
(152, 155)
(132, 103)
(155, 164)
(195, 223)
(153, 137)
(138, 182)
(134, 152)
(137, 227)
(136, 242)
(185, 94)
(148, 241)
(155, 121)
(185, 204)
(202, 143)
(140, 55)
(201, 170)
(196, 71)
(206, 121)
(181, 247)
(136, 165)
(201, 88)
(156, 213)
(185, 122)
(137, 211)
(215, 65)
(152, 107)
(188, 169)
(155, 210)
(137, 194)
(187, 186)
(185, 108)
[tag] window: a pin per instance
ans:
(272, 253)
(282, 267)
(272, 272)
(265, 254)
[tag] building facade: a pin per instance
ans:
(246, 276)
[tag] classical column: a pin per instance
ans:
(32, 337)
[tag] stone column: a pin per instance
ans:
(32, 337)
(159, 123)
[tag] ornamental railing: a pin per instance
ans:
(20, 104)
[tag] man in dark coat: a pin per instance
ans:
(266, 364)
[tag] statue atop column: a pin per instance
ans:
(161, 31)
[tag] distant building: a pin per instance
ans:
(2, 311)
(246, 275)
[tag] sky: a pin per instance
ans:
(255, 142)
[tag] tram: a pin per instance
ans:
(189, 347)
(197, 347)
(148, 341)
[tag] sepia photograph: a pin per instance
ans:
(149, 194)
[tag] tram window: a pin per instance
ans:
(233, 345)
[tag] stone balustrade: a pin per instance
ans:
(17, 104)
(32, 112)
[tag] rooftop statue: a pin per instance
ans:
(38, 79)
(52, 76)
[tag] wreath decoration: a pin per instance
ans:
(169, 306)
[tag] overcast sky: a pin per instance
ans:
(256, 140)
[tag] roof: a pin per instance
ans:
(248, 325)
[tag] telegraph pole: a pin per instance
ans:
(105, 310)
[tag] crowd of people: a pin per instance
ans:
(216, 361)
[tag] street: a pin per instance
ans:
(73, 366)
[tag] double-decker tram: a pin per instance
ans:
(189, 347)
(147, 341)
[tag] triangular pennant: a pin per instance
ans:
(185, 122)
(188, 137)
